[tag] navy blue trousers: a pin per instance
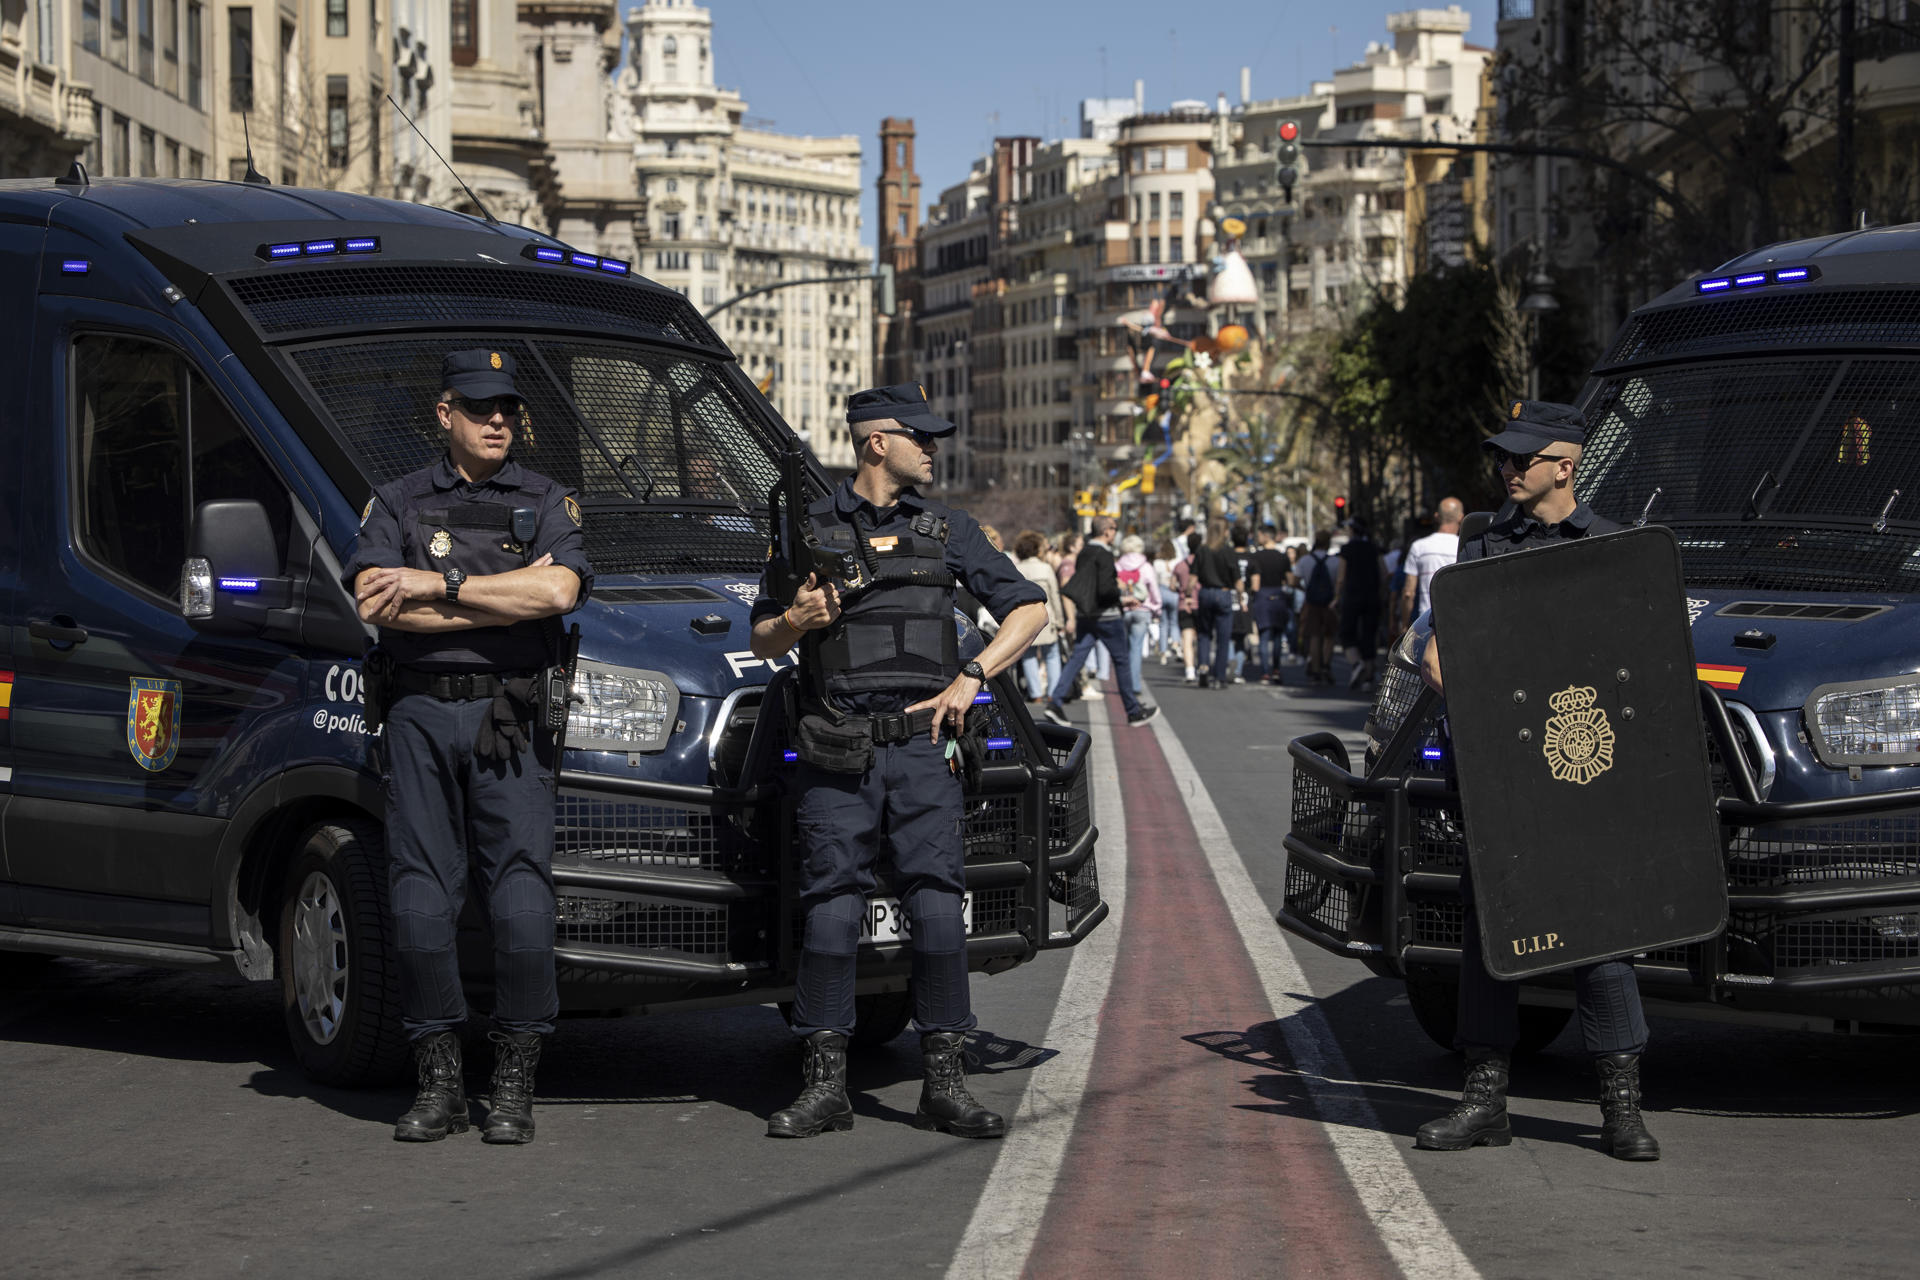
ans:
(1606, 996)
(1111, 632)
(1216, 620)
(450, 815)
(908, 805)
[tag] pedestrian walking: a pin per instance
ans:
(1140, 600)
(466, 566)
(1167, 637)
(1319, 616)
(1187, 610)
(1269, 581)
(1040, 666)
(1431, 554)
(1094, 588)
(881, 683)
(1218, 572)
(1360, 580)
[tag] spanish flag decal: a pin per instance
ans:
(1720, 677)
(6, 695)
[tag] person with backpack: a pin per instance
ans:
(1139, 599)
(1094, 589)
(1219, 574)
(1319, 621)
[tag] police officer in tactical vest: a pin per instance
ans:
(465, 566)
(884, 698)
(1536, 456)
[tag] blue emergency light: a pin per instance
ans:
(999, 744)
(1756, 279)
(283, 251)
(985, 695)
(361, 244)
(789, 756)
(240, 584)
(1432, 753)
(314, 248)
(75, 266)
(584, 260)
(549, 255)
(614, 265)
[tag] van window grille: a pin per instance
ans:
(1826, 317)
(332, 297)
(680, 486)
(1772, 475)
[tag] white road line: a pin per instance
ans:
(1007, 1217)
(1412, 1232)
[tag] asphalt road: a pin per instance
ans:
(156, 1124)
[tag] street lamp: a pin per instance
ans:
(1538, 302)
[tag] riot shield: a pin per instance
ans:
(1580, 752)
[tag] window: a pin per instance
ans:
(671, 48)
(336, 17)
(117, 32)
(149, 157)
(670, 261)
(170, 46)
(196, 23)
(670, 226)
(709, 295)
(98, 144)
(173, 159)
(339, 135)
(1153, 205)
(1176, 251)
(463, 37)
(1176, 204)
(196, 165)
(1156, 159)
(90, 25)
(240, 59)
(151, 442)
(144, 15)
(709, 262)
(1153, 249)
(120, 158)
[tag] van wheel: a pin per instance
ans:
(1434, 995)
(877, 1018)
(339, 976)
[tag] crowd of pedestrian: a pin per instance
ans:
(1227, 603)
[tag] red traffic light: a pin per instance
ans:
(1165, 383)
(1339, 504)
(1289, 131)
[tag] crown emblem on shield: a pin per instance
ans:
(494, 359)
(1516, 410)
(1579, 740)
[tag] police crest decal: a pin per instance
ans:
(153, 721)
(1579, 740)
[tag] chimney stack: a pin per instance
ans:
(1139, 97)
(1246, 85)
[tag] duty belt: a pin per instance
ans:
(453, 686)
(890, 728)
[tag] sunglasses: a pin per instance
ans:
(1522, 462)
(507, 406)
(922, 438)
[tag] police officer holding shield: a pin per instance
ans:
(883, 698)
(1537, 456)
(466, 566)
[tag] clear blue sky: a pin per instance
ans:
(838, 66)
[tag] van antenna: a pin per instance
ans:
(252, 174)
(491, 220)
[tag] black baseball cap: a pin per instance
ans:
(906, 403)
(480, 373)
(1533, 425)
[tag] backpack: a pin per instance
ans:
(1133, 586)
(1320, 581)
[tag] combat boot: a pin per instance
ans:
(1622, 1132)
(823, 1104)
(944, 1100)
(1480, 1118)
(510, 1115)
(440, 1108)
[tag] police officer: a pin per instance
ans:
(466, 566)
(1537, 456)
(882, 686)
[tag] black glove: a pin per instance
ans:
(503, 730)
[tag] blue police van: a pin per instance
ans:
(213, 377)
(1769, 414)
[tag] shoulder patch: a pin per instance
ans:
(573, 512)
(367, 513)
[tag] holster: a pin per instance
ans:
(376, 687)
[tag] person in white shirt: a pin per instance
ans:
(1430, 555)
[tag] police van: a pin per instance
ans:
(213, 377)
(1767, 413)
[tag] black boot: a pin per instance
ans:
(510, 1115)
(944, 1100)
(1480, 1118)
(1622, 1132)
(823, 1104)
(440, 1108)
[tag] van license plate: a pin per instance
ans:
(886, 919)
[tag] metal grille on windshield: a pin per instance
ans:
(660, 446)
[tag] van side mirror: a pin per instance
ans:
(234, 576)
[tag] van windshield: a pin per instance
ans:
(660, 441)
(1782, 473)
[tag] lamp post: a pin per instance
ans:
(1538, 302)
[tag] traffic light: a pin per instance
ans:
(1147, 472)
(886, 304)
(1286, 165)
(1339, 509)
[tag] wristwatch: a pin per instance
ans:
(974, 670)
(454, 578)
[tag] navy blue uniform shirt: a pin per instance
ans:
(396, 532)
(1514, 530)
(989, 574)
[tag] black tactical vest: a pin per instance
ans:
(897, 634)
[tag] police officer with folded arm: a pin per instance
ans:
(883, 698)
(466, 566)
(1537, 456)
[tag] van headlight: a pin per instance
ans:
(620, 709)
(1865, 722)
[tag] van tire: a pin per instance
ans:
(1434, 996)
(339, 974)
